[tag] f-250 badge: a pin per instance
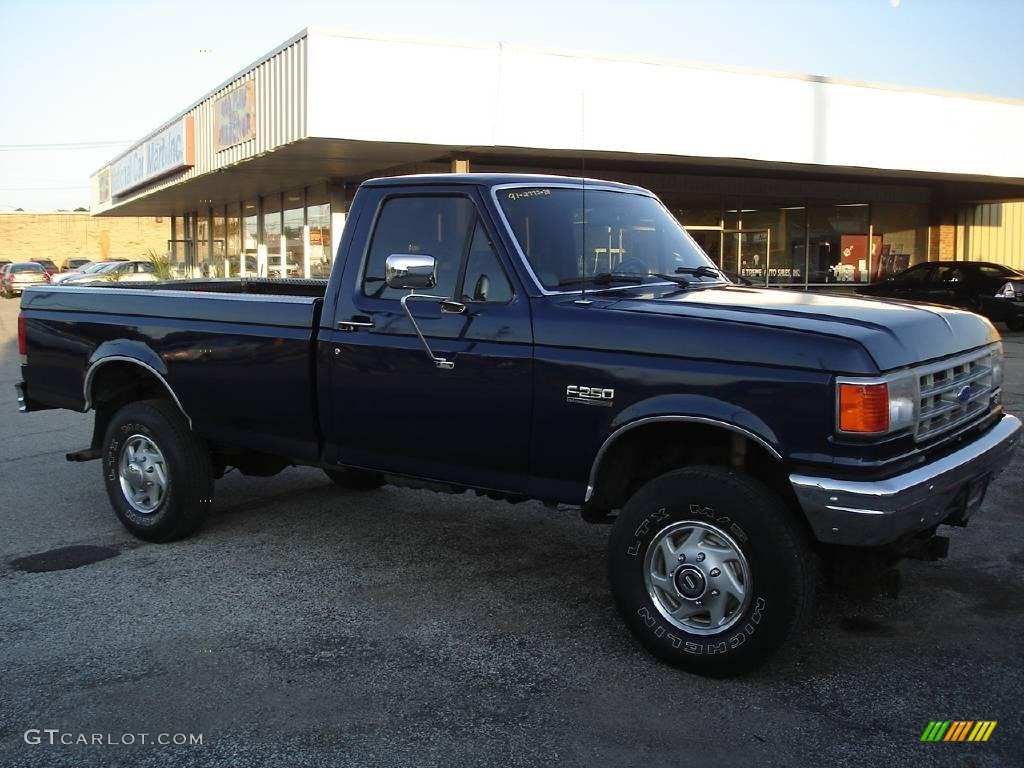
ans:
(589, 395)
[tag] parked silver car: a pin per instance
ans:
(16, 276)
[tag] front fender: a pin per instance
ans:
(694, 409)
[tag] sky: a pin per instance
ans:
(83, 80)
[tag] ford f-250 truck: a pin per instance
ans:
(534, 337)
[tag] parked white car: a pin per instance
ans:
(92, 268)
(119, 271)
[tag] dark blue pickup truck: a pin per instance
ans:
(534, 337)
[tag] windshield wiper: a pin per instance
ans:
(703, 270)
(602, 278)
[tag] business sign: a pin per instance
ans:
(103, 186)
(234, 116)
(170, 150)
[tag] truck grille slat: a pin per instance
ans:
(953, 393)
(944, 385)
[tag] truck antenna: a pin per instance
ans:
(583, 301)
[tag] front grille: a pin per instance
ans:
(954, 393)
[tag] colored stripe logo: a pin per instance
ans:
(958, 730)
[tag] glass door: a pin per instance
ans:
(745, 253)
(180, 253)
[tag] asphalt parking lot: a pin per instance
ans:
(309, 626)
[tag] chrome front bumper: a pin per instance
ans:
(879, 512)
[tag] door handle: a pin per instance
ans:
(354, 324)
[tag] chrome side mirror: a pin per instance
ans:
(410, 270)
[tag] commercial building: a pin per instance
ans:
(789, 180)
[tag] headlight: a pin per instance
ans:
(876, 406)
(997, 365)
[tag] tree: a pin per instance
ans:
(80, 209)
(162, 267)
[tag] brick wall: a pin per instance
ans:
(61, 236)
(942, 242)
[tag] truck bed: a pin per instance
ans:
(252, 340)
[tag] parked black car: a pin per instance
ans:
(993, 290)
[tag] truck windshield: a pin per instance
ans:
(568, 234)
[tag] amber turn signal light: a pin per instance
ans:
(864, 408)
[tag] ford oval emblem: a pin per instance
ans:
(964, 395)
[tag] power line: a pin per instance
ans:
(41, 189)
(61, 146)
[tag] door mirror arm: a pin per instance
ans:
(447, 305)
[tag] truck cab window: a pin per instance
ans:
(450, 230)
(435, 226)
(485, 279)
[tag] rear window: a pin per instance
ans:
(26, 268)
(996, 270)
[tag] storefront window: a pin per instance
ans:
(218, 259)
(838, 243)
(233, 246)
(176, 248)
(273, 263)
(250, 238)
(294, 234)
(319, 217)
(710, 241)
(202, 267)
(902, 233)
(774, 240)
(695, 210)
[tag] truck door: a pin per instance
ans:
(391, 407)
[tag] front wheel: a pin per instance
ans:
(710, 570)
(157, 472)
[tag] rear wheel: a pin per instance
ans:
(157, 472)
(355, 479)
(710, 570)
(1016, 322)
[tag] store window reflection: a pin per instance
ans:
(250, 239)
(272, 262)
(773, 252)
(838, 243)
(710, 241)
(233, 245)
(902, 233)
(202, 265)
(294, 236)
(177, 250)
(218, 259)
(319, 218)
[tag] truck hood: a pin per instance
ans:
(895, 334)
